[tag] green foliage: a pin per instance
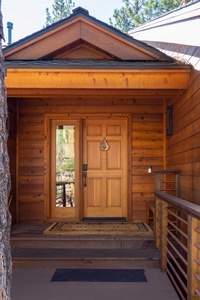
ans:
(64, 152)
(60, 9)
(137, 12)
(69, 164)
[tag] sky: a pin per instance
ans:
(28, 16)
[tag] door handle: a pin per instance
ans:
(84, 179)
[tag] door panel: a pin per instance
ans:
(113, 161)
(105, 153)
(94, 187)
(114, 192)
(94, 161)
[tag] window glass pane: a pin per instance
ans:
(65, 166)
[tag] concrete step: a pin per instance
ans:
(85, 258)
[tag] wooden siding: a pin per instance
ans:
(183, 147)
(146, 148)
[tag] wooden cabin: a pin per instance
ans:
(88, 115)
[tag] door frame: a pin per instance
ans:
(47, 160)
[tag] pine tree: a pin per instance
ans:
(137, 12)
(5, 218)
(60, 9)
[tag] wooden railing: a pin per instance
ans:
(178, 238)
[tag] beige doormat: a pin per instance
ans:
(123, 228)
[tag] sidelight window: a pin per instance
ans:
(65, 166)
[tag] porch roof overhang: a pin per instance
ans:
(57, 78)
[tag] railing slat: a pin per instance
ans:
(193, 253)
(164, 233)
(177, 240)
(197, 276)
(197, 230)
(157, 222)
(177, 252)
(177, 275)
(177, 229)
(197, 261)
(177, 286)
(197, 246)
(177, 264)
(197, 292)
(176, 216)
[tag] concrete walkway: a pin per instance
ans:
(35, 284)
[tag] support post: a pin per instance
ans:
(193, 256)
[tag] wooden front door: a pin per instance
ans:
(105, 168)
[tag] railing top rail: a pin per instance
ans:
(189, 207)
(167, 171)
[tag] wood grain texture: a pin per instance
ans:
(183, 147)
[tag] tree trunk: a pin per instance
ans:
(5, 218)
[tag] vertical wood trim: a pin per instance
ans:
(78, 165)
(17, 162)
(157, 229)
(164, 139)
(80, 170)
(52, 164)
(157, 225)
(129, 149)
(192, 266)
(164, 135)
(158, 181)
(46, 168)
(189, 256)
(164, 225)
(84, 160)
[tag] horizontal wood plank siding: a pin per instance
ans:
(146, 147)
(183, 147)
(147, 150)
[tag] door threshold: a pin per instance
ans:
(103, 220)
